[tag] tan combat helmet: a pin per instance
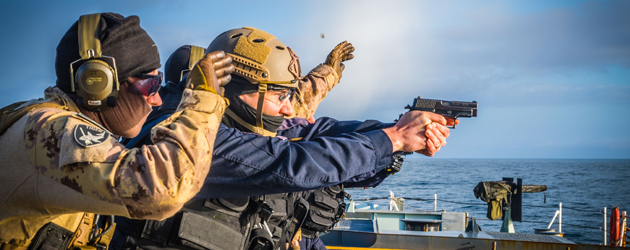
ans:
(260, 58)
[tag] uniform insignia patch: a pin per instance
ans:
(88, 136)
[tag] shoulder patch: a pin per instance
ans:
(88, 136)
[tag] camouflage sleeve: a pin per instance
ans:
(151, 182)
(313, 88)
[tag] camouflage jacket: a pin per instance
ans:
(57, 164)
(312, 90)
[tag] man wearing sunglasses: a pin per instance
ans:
(61, 162)
(318, 155)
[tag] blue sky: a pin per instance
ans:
(552, 78)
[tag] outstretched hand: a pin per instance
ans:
(419, 131)
(341, 53)
(211, 73)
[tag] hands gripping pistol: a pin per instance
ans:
(448, 109)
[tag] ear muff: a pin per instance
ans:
(196, 53)
(96, 79)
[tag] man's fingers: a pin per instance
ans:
(223, 71)
(431, 135)
(342, 66)
(346, 54)
(338, 48)
(222, 81)
(348, 48)
(215, 55)
(223, 62)
(443, 130)
(436, 118)
(432, 148)
(342, 48)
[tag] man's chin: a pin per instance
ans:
(135, 130)
(130, 133)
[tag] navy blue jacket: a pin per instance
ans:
(328, 152)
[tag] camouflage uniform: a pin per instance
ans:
(51, 172)
(312, 90)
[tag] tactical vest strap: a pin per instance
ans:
(101, 237)
(299, 210)
(82, 235)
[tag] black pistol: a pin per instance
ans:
(449, 109)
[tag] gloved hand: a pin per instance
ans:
(211, 73)
(341, 53)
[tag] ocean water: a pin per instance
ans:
(584, 187)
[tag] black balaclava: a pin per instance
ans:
(127, 117)
(134, 52)
(240, 86)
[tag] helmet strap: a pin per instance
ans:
(262, 89)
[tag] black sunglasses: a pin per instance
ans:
(147, 85)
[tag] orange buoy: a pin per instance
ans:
(614, 227)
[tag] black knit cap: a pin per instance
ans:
(121, 38)
(177, 62)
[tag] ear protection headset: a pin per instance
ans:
(96, 79)
(196, 53)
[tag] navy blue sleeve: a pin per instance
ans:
(368, 180)
(246, 164)
(326, 126)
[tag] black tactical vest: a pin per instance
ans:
(326, 206)
(252, 223)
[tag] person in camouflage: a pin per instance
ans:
(314, 87)
(303, 155)
(62, 162)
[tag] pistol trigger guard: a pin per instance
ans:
(454, 122)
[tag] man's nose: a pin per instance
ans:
(286, 109)
(154, 100)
